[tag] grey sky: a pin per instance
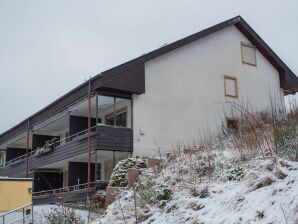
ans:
(49, 47)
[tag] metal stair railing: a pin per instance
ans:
(77, 187)
(26, 214)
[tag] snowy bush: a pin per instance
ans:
(234, 172)
(163, 192)
(63, 215)
(146, 192)
(202, 192)
(119, 175)
(152, 193)
(287, 141)
(99, 199)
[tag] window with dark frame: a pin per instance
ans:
(98, 173)
(120, 120)
(232, 124)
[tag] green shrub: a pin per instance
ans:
(146, 192)
(234, 172)
(119, 175)
(163, 192)
(152, 193)
(287, 141)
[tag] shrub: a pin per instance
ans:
(287, 140)
(99, 199)
(146, 192)
(230, 173)
(235, 173)
(163, 192)
(202, 192)
(119, 175)
(63, 215)
(152, 193)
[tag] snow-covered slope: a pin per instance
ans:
(256, 190)
(235, 202)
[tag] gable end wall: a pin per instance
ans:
(184, 91)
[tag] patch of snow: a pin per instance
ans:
(39, 212)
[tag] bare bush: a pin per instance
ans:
(63, 215)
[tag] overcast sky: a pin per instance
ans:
(49, 47)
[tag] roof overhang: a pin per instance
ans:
(115, 82)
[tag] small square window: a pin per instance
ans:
(248, 53)
(232, 124)
(230, 86)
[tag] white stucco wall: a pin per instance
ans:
(185, 90)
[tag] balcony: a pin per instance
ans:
(108, 138)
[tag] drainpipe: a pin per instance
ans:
(27, 148)
(89, 140)
(114, 111)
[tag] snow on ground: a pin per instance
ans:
(40, 212)
(267, 193)
(233, 202)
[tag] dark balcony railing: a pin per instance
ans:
(50, 146)
(13, 170)
(108, 138)
(112, 138)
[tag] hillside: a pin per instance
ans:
(212, 187)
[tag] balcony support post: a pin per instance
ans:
(89, 142)
(95, 155)
(131, 118)
(114, 159)
(114, 113)
(27, 148)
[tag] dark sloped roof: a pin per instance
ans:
(134, 70)
(289, 80)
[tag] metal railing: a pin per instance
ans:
(73, 188)
(25, 211)
(52, 146)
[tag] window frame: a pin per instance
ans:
(232, 119)
(255, 53)
(117, 112)
(236, 86)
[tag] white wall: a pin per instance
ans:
(185, 90)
